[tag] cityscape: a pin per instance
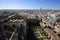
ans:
(36, 24)
(29, 19)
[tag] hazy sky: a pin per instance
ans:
(29, 4)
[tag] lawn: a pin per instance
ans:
(40, 33)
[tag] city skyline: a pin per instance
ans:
(29, 4)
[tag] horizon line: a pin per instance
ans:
(28, 9)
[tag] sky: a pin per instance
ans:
(29, 4)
